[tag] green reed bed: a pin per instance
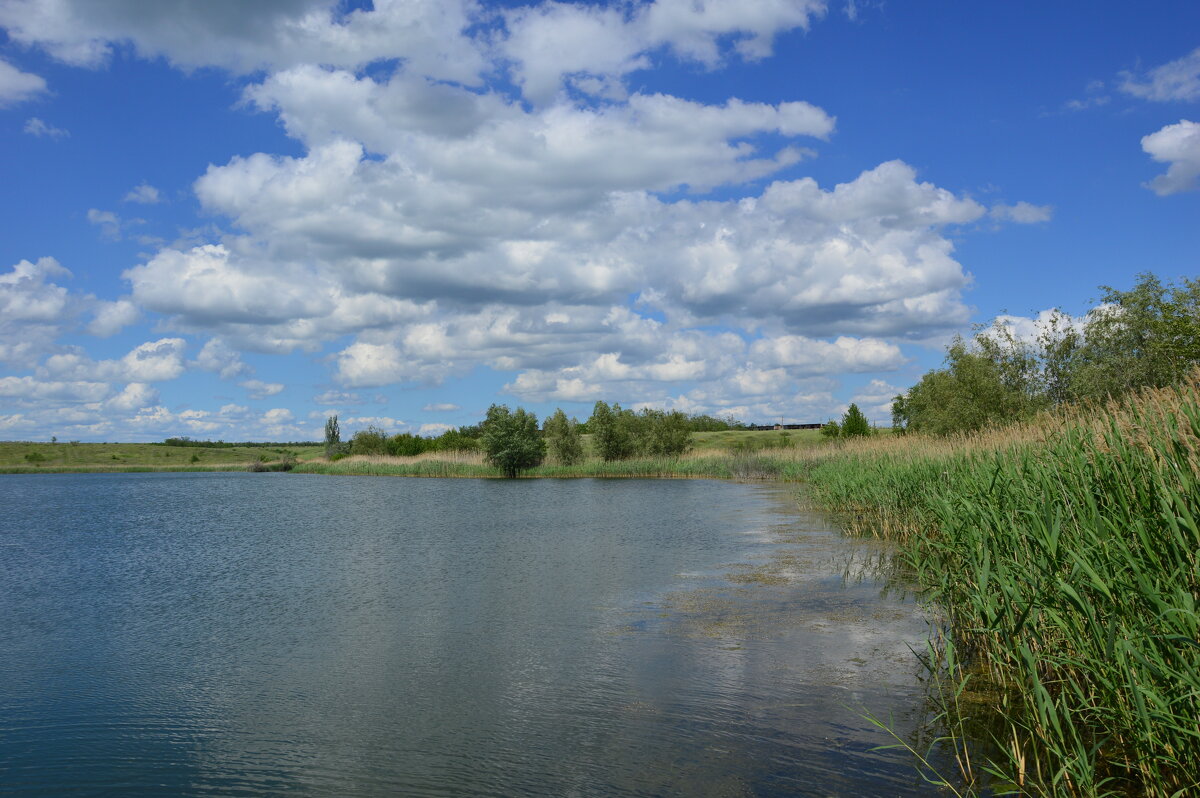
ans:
(1068, 564)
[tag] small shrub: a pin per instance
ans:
(35, 457)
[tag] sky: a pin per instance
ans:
(231, 220)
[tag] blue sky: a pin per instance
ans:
(231, 220)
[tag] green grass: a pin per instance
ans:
(755, 439)
(1067, 558)
(21, 457)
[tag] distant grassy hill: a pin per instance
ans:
(18, 457)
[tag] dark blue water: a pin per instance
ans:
(260, 634)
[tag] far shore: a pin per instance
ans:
(730, 455)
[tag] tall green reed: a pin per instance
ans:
(1068, 565)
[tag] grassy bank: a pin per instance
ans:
(1065, 552)
(756, 455)
(18, 457)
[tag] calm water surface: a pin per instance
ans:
(258, 634)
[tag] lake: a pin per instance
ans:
(255, 634)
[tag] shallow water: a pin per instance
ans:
(253, 634)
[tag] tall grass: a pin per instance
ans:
(1066, 553)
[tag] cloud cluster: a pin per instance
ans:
(36, 311)
(245, 37)
(491, 194)
(591, 48)
(450, 228)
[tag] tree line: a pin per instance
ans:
(1148, 336)
(513, 441)
(195, 444)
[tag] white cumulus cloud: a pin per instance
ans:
(1178, 146)
(217, 356)
(152, 361)
(109, 318)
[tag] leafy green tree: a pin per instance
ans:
(831, 429)
(511, 441)
(612, 431)
(899, 414)
(1146, 336)
(1059, 348)
(371, 440)
(333, 436)
(994, 381)
(854, 423)
(405, 444)
(455, 440)
(663, 434)
(563, 438)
